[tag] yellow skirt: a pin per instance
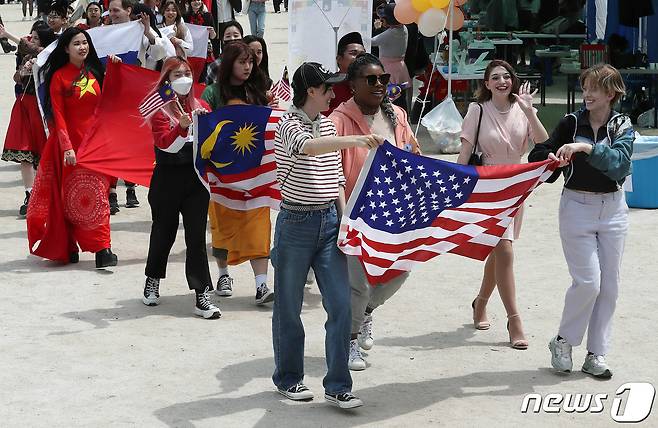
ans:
(244, 234)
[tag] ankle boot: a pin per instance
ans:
(106, 258)
(6, 46)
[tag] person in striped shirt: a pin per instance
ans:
(310, 173)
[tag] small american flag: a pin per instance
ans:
(281, 89)
(406, 209)
(157, 100)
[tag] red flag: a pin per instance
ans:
(120, 142)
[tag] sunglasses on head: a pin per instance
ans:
(372, 79)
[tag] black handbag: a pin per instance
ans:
(476, 158)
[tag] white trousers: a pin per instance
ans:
(593, 230)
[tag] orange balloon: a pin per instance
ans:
(455, 19)
(405, 13)
(421, 5)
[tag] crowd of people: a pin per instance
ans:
(321, 144)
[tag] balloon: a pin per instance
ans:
(405, 13)
(456, 21)
(431, 22)
(440, 4)
(421, 5)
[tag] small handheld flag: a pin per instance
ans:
(394, 90)
(157, 100)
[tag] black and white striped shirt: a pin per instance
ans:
(305, 179)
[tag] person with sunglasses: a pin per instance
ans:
(369, 111)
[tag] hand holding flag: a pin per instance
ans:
(157, 100)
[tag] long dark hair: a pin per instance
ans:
(226, 26)
(59, 58)
(354, 71)
(264, 64)
(254, 86)
(483, 94)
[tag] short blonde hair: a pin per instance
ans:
(606, 77)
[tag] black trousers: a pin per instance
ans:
(277, 5)
(175, 190)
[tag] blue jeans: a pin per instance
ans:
(257, 18)
(303, 240)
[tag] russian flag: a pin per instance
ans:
(122, 40)
(197, 57)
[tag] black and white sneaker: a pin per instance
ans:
(344, 400)
(204, 307)
(151, 291)
(224, 286)
(264, 294)
(298, 392)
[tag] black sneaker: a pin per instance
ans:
(151, 291)
(106, 258)
(114, 203)
(298, 392)
(264, 294)
(131, 198)
(22, 211)
(224, 286)
(204, 307)
(344, 400)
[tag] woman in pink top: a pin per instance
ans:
(369, 111)
(508, 120)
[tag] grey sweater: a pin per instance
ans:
(392, 43)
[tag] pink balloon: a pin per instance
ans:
(455, 19)
(405, 13)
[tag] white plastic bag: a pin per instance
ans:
(444, 124)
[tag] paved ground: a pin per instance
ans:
(78, 348)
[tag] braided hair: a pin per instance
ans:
(354, 71)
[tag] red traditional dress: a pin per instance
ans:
(69, 205)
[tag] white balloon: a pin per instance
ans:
(431, 22)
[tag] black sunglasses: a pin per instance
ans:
(372, 79)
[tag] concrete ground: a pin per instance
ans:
(78, 348)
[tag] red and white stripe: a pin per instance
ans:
(255, 188)
(282, 89)
(152, 104)
(473, 229)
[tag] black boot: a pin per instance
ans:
(105, 258)
(131, 198)
(114, 203)
(6, 46)
(22, 211)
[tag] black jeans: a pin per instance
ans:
(176, 189)
(277, 5)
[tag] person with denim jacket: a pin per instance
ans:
(310, 174)
(594, 147)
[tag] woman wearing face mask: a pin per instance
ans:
(501, 123)
(25, 135)
(369, 111)
(69, 206)
(91, 17)
(176, 190)
(238, 236)
(233, 32)
(177, 31)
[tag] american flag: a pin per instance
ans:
(239, 173)
(157, 100)
(281, 89)
(406, 209)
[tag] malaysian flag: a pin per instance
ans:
(234, 156)
(281, 89)
(157, 100)
(406, 209)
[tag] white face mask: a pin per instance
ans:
(182, 85)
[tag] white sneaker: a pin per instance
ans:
(596, 366)
(356, 361)
(224, 286)
(560, 355)
(298, 392)
(365, 333)
(344, 400)
(151, 295)
(204, 307)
